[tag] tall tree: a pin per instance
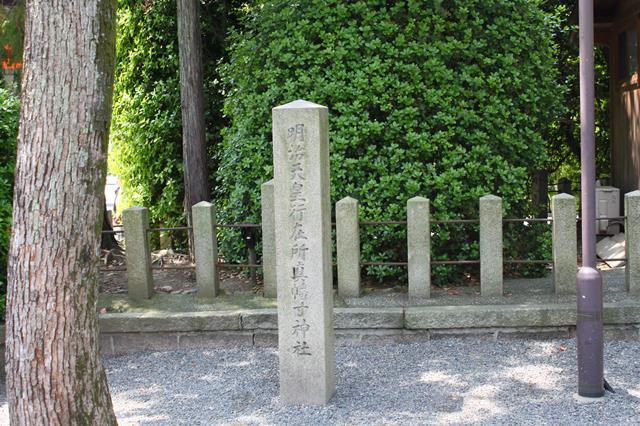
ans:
(194, 148)
(54, 373)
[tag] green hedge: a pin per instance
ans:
(9, 118)
(145, 149)
(447, 99)
(146, 133)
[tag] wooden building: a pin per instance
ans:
(617, 26)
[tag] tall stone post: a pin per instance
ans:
(419, 247)
(565, 243)
(632, 235)
(491, 246)
(267, 203)
(139, 278)
(303, 253)
(205, 243)
(348, 247)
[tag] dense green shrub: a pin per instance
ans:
(563, 142)
(145, 147)
(447, 99)
(146, 133)
(9, 117)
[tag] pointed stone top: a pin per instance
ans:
(635, 193)
(490, 197)
(300, 104)
(268, 183)
(349, 200)
(563, 196)
(203, 204)
(418, 200)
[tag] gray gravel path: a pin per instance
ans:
(447, 381)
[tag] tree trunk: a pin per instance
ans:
(194, 149)
(54, 372)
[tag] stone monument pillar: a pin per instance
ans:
(303, 253)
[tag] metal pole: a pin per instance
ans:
(589, 281)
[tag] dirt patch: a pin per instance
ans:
(173, 273)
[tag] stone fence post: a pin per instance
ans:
(348, 247)
(565, 243)
(205, 243)
(419, 247)
(139, 278)
(491, 246)
(632, 244)
(303, 253)
(268, 239)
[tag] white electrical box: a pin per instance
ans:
(607, 205)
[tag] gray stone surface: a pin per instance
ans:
(565, 243)
(478, 316)
(170, 321)
(215, 339)
(259, 319)
(419, 247)
(424, 317)
(123, 343)
(344, 318)
(206, 249)
(268, 240)
(618, 314)
(491, 246)
(632, 233)
(106, 345)
(303, 253)
(442, 317)
(265, 338)
(348, 247)
(369, 318)
(139, 279)
(376, 337)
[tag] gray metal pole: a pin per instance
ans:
(589, 281)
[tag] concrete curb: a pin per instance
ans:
(409, 318)
(133, 332)
(130, 332)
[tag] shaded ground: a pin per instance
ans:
(173, 273)
(448, 381)
(238, 293)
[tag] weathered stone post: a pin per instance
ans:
(205, 243)
(348, 247)
(303, 253)
(419, 247)
(565, 243)
(632, 244)
(139, 278)
(268, 239)
(491, 246)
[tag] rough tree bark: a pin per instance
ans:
(54, 372)
(194, 150)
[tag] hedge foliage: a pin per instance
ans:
(145, 145)
(146, 133)
(9, 118)
(447, 99)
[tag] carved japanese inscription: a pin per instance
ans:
(303, 253)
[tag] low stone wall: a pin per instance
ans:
(125, 333)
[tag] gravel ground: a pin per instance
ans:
(448, 381)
